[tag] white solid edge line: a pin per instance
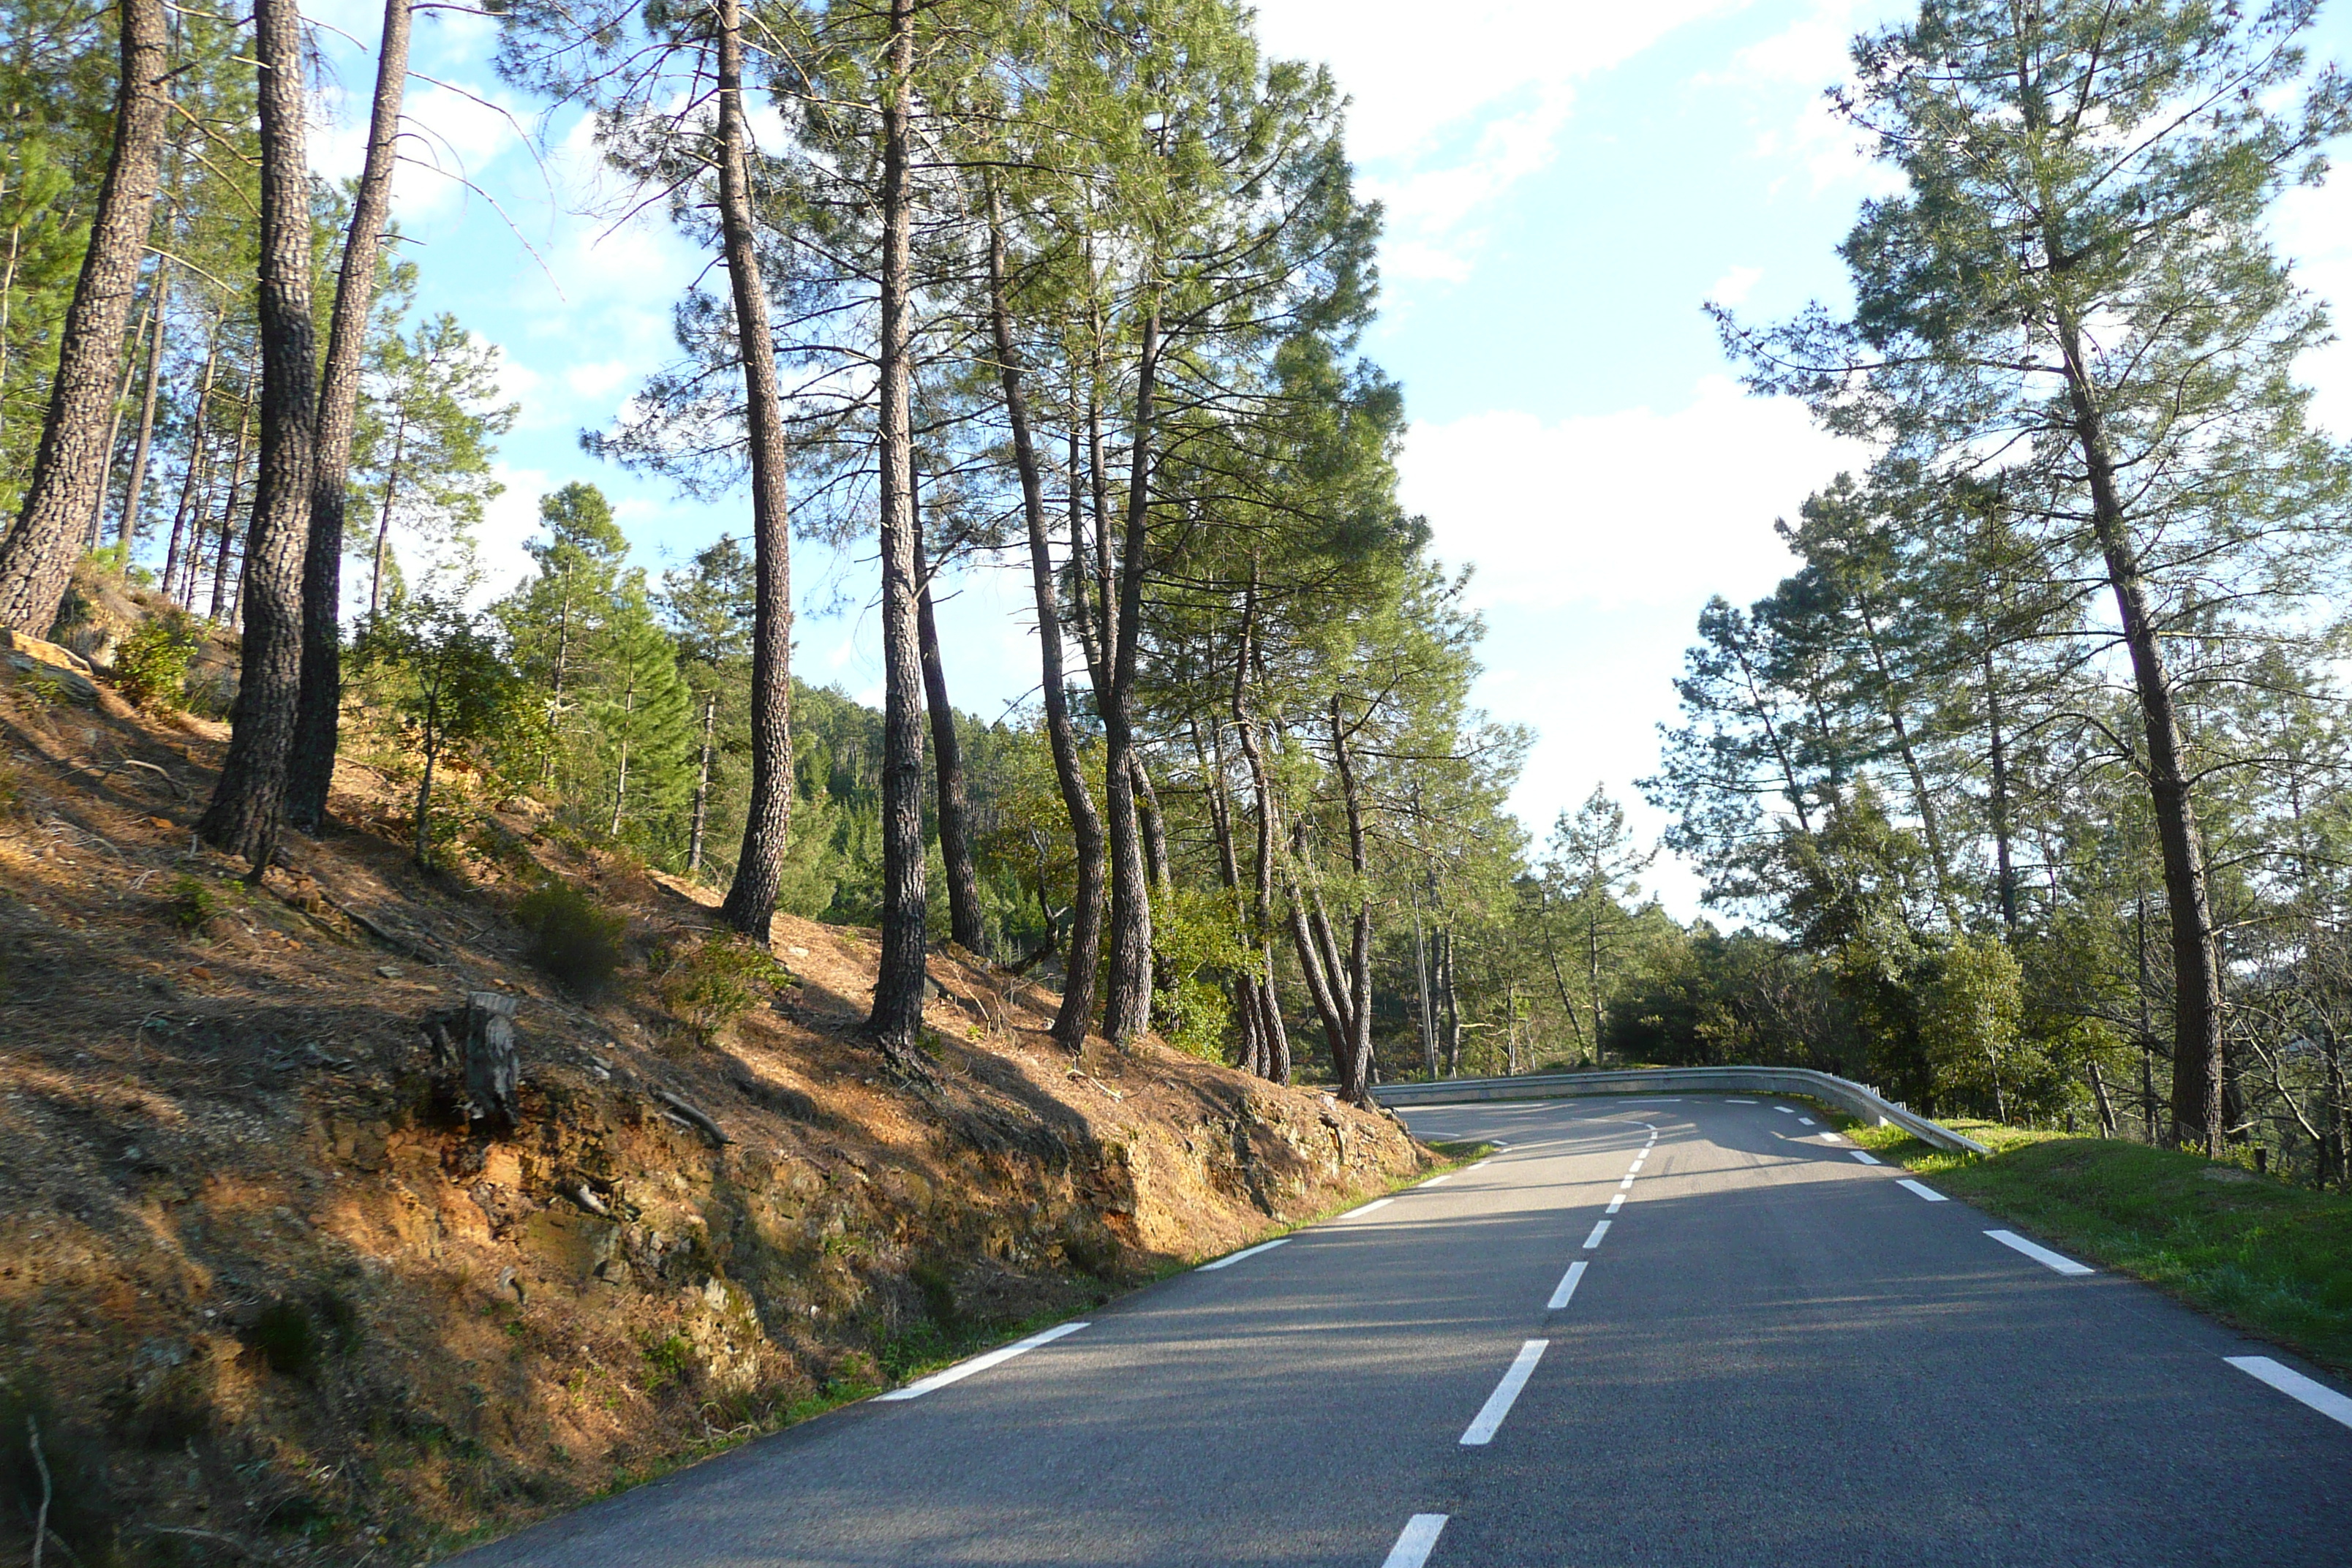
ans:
(962, 1370)
(1420, 1538)
(1616, 1203)
(1867, 1159)
(1507, 1394)
(2058, 1261)
(1230, 1259)
(2294, 1385)
(1930, 1193)
(1567, 1283)
(1375, 1203)
(1442, 1176)
(1600, 1230)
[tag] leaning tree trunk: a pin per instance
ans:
(126, 528)
(898, 1015)
(964, 923)
(69, 467)
(750, 904)
(1126, 994)
(249, 804)
(318, 718)
(2196, 1065)
(1069, 770)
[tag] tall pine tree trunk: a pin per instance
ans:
(898, 1015)
(750, 903)
(1355, 1065)
(964, 923)
(1070, 1024)
(1127, 992)
(249, 805)
(185, 517)
(702, 787)
(318, 718)
(2197, 1064)
(69, 469)
(126, 530)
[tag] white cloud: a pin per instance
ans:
(1734, 286)
(1631, 508)
(1449, 118)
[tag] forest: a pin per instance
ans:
(2022, 794)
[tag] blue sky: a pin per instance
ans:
(1565, 183)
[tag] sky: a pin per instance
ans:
(1564, 185)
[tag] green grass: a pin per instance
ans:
(2271, 1258)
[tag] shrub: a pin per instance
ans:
(287, 1338)
(668, 1361)
(192, 901)
(711, 984)
(151, 665)
(573, 937)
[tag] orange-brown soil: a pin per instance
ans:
(266, 1294)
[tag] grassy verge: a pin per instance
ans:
(2271, 1258)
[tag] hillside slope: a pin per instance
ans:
(265, 1292)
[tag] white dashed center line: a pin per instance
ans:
(1625, 1184)
(2294, 1385)
(1738, 1102)
(1600, 1230)
(1230, 1259)
(1785, 1111)
(1616, 1203)
(1568, 1282)
(962, 1370)
(2041, 1254)
(1865, 1159)
(1930, 1193)
(1507, 1392)
(1420, 1538)
(1806, 1119)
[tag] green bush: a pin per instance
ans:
(192, 901)
(287, 1338)
(151, 665)
(711, 984)
(573, 937)
(668, 1361)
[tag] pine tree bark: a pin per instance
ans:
(1126, 992)
(965, 924)
(897, 1017)
(2196, 1060)
(750, 903)
(1076, 1014)
(247, 812)
(318, 718)
(69, 467)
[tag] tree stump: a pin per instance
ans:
(493, 1068)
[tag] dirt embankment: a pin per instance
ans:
(266, 1294)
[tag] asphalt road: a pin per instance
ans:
(1774, 1355)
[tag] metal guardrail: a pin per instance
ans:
(1854, 1098)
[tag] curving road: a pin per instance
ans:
(1690, 1332)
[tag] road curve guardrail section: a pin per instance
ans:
(1854, 1098)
